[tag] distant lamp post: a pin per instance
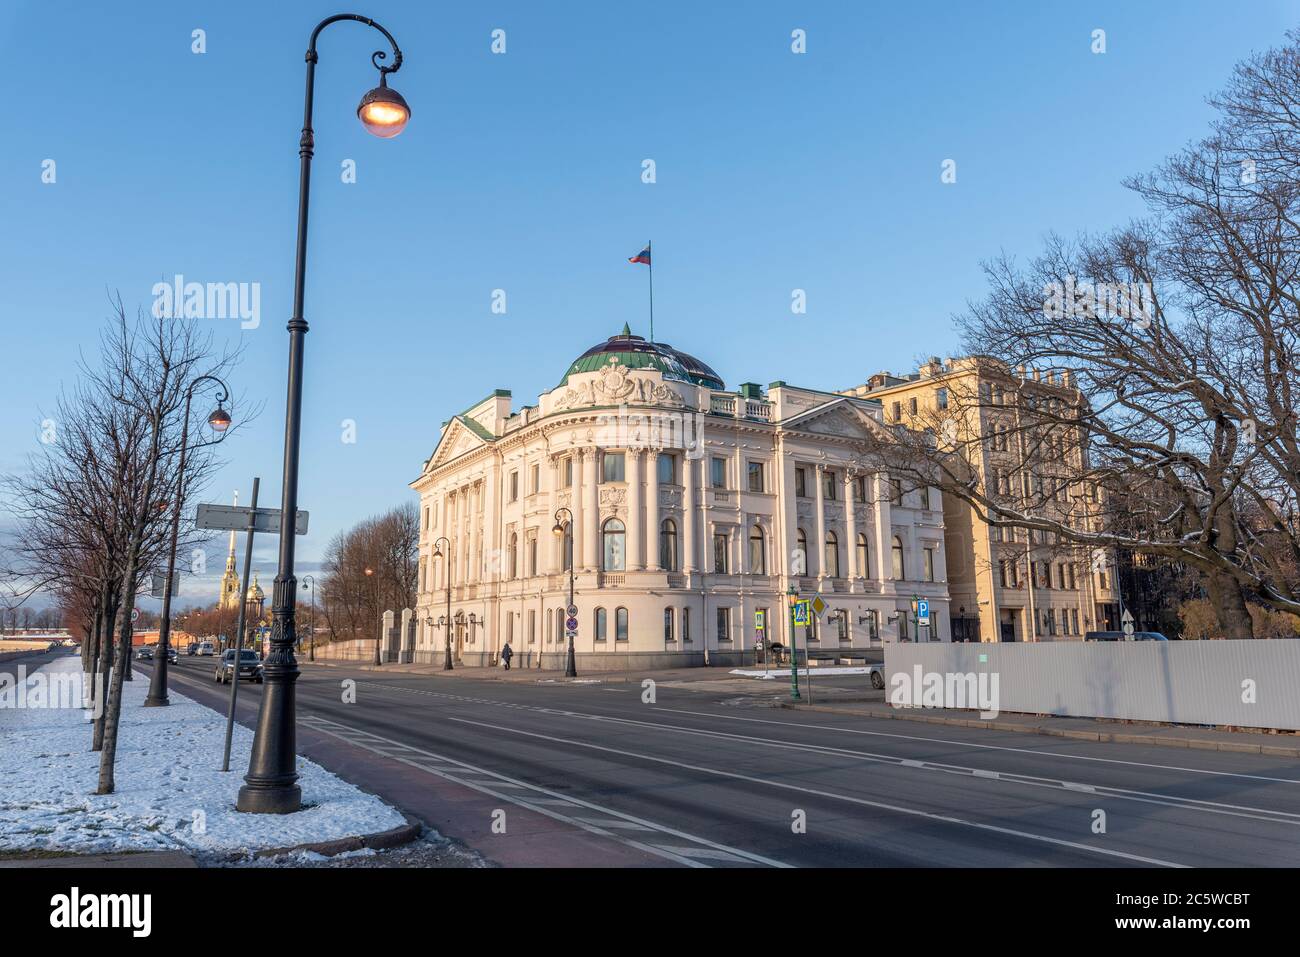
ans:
(219, 420)
(446, 581)
(793, 596)
(311, 627)
(374, 591)
(570, 664)
(270, 786)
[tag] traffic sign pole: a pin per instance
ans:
(794, 657)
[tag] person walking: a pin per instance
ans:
(506, 654)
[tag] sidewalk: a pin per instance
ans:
(1083, 729)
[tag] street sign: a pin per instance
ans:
(818, 606)
(135, 615)
(923, 611)
(571, 624)
(572, 612)
(801, 610)
(759, 621)
(158, 585)
(1127, 619)
(234, 518)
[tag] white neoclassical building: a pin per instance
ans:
(682, 511)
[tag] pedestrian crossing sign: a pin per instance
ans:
(801, 610)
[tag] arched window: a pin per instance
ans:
(801, 556)
(602, 620)
(757, 554)
(864, 557)
(668, 545)
(620, 624)
(668, 625)
(512, 559)
(614, 540)
(898, 559)
(832, 555)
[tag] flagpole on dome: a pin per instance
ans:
(652, 290)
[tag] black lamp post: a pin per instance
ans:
(374, 592)
(270, 786)
(311, 648)
(446, 581)
(570, 665)
(219, 420)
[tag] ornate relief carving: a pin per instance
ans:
(615, 384)
(612, 497)
(671, 497)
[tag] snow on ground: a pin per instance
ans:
(171, 794)
(778, 672)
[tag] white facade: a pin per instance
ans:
(692, 508)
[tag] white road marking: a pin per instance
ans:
(463, 777)
(912, 812)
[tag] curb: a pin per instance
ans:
(1243, 747)
(379, 841)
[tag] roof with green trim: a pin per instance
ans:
(635, 352)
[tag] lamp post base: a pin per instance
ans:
(156, 702)
(269, 800)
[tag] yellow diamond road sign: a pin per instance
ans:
(818, 606)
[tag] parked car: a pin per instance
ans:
(207, 649)
(1120, 636)
(192, 648)
(250, 666)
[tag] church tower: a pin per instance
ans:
(230, 580)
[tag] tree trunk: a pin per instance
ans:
(113, 707)
(104, 671)
(1230, 607)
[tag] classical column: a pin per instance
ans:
(789, 517)
(591, 506)
(555, 553)
(635, 509)
(884, 526)
(688, 514)
(820, 547)
(851, 526)
(472, 500)
(575, 506)
(652, 513)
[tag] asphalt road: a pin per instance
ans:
(592, 774)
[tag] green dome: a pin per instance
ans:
(634, 352)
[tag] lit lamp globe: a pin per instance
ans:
(219, 420)
(383, 112)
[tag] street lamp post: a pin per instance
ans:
(374, 592)
(570, 664)
(446, 581)
(270, 786)
(219, 420)
(311, 627)
(793, 594)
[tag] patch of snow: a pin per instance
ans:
(171, 793)
(828, 670)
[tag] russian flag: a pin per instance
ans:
(642, 257)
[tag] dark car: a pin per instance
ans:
(172, 657)
(145, 653)
(192, 648)
(1120, 636)
(250, 666)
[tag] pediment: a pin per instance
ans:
(839, 417)
(457, 439)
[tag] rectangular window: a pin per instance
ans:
(532, 626)
(860, 489)
(667, 473)
(828, 485)
(718, 472)
(535, 479)
(601, 623)
(724, 624)
(895, 491)
(941, 398)
(755, 473)
(800, 483)
(686, 625)
(928, 559)
(532, 555)
(668, 624)
(620, 624)
(514, 486)
(720, 554)
(614, 462)
(567, 470)
(897, 412)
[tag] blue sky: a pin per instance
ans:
(522, 172)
